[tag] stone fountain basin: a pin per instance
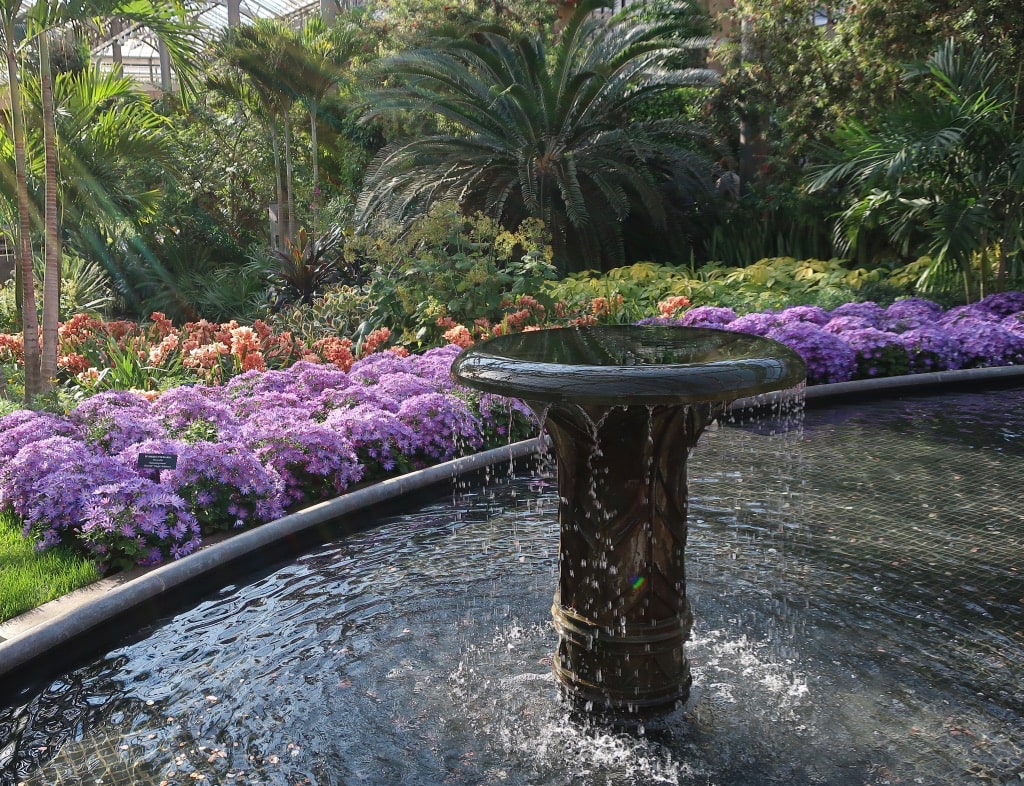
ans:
(635, 364)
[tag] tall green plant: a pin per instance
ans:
(942, 173)
(527, 132)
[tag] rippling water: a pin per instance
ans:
(860, 620)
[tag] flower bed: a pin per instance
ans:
(864, 340)
(252, 444)
(245, 452)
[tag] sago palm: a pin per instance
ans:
(943, 172)
(557, 135)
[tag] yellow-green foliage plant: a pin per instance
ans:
(772, 283)
(640, 288)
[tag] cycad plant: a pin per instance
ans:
(943, 172)
(562, 134)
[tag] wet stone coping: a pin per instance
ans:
(58, 635)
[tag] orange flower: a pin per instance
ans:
(671, 305)
(337, 351)
(254, 362)
(459, 335)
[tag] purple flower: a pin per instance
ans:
(314, 461)
(442, 423)
(828, 357)
(812, 314)
(1003, 304)
(309, 380)
(435, 366)
(878, 353)
(756, 323)
(984, 343)
(849, 323)
(400, 385)
(1014, 323)
(225, 485)
(910, 313)
(380, 438)
(196, 406)
(26, 426)
(973, 312)
(48, 481)
(135, 521)
(870, 313)
(353, 396)
(254, 383)
(930, 348)
(708, 316)
(369, 369)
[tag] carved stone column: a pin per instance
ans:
(621, 610)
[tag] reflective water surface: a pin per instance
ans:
(641, 364)
(859, 599)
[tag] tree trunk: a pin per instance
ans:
(29, 319)
(289, 177)
(315, 199)
(52, 248)
(282, 208)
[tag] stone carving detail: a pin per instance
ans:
(620, 609)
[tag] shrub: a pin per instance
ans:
(135, 521)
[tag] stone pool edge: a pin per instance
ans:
(32, 635)
(39, 631)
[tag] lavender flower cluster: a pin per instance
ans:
(245, 452)
(861, 340)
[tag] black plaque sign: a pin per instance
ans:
(158, 460)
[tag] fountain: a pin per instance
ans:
(859, 622)
(624, 405)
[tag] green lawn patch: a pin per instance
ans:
(29, 578)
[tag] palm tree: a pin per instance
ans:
(524, 132)
(941, 173)
(167, 19)
(258, 74)
(10, 18)
(318, 67)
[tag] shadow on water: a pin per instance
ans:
(859, 620)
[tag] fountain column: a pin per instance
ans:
(621, 610)
(624, 405)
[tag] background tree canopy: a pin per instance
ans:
(523, 131)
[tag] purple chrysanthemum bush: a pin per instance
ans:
(863, 340)
(271, 441)
(247, 451)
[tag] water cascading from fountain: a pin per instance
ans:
(624, 406)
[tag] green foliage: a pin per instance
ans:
(449, 266)
(85, 288)
(340, 311)
(942, 172)
(555, 135)
(31, 578)
(640, 288)
(767, 284)
(124, 365)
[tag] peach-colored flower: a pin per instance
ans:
(337, 351)
(243, 341)
(377, 339)
(206, 356)
(73, 362)
(458, 335)
(254, 362)
(671, 305)
(159, 353)
(88, 377)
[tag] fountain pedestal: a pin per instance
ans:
(624, 405)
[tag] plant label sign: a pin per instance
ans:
(158, 460)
